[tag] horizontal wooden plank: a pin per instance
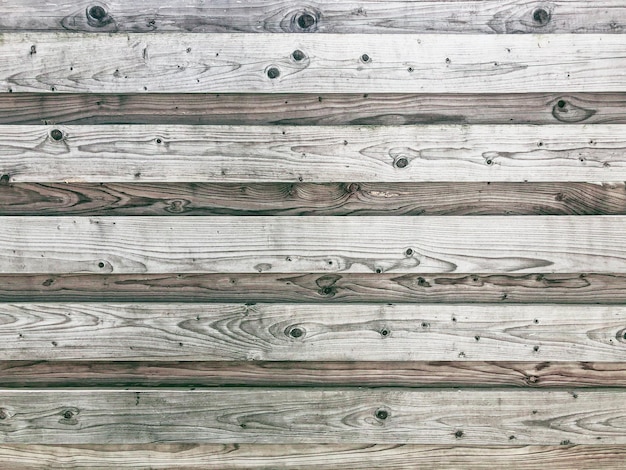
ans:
(319, 456)
(312, 199)
(266, 416)
(565, 288)
(308, 109)
(310, 332)
(457, 373)
(433, 153)
(368, 16)
(225, 244)
(313, 63)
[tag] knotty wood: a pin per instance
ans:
(265, 416)
(25, 374)
(319, 456)
(565, 288)
(369, 16)
(356, 199)
(223, 244)
(439, 153)
(282, 332)
(307, 109)
(332, 63)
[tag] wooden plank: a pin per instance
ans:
(433, 153)
(308, 109)
(312, 199)
(28, 374)
(290, 416)
(366, 16)
(319, 456)
(310, 332)
(324, 63)
(225, 244)
(567, 288)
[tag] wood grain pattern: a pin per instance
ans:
(224, 244)
(310, 332)
(433, 153)
(328, 63)
(567, 288)
(308, 109)
(457, 373)
(366, 16)
(312, 199)
(290, 416)
(319, 456)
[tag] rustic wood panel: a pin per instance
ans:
(366, 16)
(312, 199)
(565, 288)
(319, 456)
(224, 244)
(309, 109)
(265, 416)
(28, 374)
(315, 63)
(439, 153)
(283, 332)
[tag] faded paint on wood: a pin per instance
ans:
(366, 16)
(439, 153)
(290, 416)
(283, 332)
(223, 244)
(314, 63)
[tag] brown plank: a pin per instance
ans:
(318, 456)
(92, 199)
(314, 415)
(36, 374)
(303, 109)
(343, 16)
(565, 288)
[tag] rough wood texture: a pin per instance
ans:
(309, 332)
(429, 153)
(319, 456)
(224, 244)
(26, 374)
(323, 63)
(307, 109)
(366, 16)
(290, 416)
(348, 288)
(355, 199)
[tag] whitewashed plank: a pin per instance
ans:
(223, 244)
(290, 416)
(309, 332)
(362, 63)
(428, 153)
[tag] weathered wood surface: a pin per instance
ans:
(366, 16)
(314, 63)
(429, 153)
(319, 456)
(283, 332)
(225, 244)
(290, 416)
(312, 109)
(567, 288)
(28, 374)
(312, 199)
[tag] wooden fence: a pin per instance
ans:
(331, 234)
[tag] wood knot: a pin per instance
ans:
(273, 73)
(401, 162)
(382, 414)
(354, 188)
(458, 434)
(3, 414)
(365, 58)
(295, 332)
(298, 55)
(306, 21)
(56, 134)
(384, 332)
(541, 16)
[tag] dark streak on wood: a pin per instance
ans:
(306, 109)
(313, 199)
(458, 288)
(24, 374)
